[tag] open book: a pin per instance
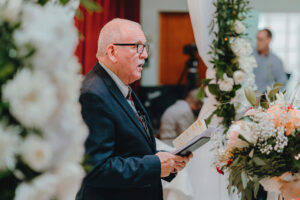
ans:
(192, 138)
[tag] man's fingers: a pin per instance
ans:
(181, 159)
(179, 167)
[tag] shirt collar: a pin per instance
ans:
(122, 87)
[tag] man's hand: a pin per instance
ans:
(171, 163)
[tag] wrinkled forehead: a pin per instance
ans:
(132, 34)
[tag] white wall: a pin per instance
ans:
(276, 5)
(150, 10)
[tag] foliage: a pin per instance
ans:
(224, 60)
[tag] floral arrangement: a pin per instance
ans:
(41, 129)
(232, 60)
(263, 146)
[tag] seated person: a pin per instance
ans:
(179, 116)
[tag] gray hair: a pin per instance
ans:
(112, 32)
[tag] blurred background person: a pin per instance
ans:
(179, 116)
(269, 66)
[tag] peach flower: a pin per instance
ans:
(278, 115)
(293, 122)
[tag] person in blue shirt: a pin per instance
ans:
(269, 66)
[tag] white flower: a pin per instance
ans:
(247, 63)
(42, 188)
(250, 112)
(68, 81)
(240, 47)
(239, 77)
(69, 181)
(67, 127)
(239, 27)
(31, 96)
(9, 146)
(25, 191)
(211, 74)
(240, 102)
(10, 10)
(271, 184)
(280, 99)
(245, 129)
(36, 153)
(226, 84)
(51, 31)
(233, 139)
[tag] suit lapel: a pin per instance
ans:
(116, 93)
(141, 108)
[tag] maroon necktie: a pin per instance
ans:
(142, 118)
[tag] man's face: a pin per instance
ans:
(262, 40)
(129, 61)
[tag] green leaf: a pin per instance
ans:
(205, 81)
(6, 71)
(256, 188)
(201, 94)
(91, 6)
(208, 120)
(272, 93)
(248, 194)
(64, 2)
(220, 74)
(42, 2)
(259, 161)
(250, 95)
(213, 89)
(244, 179)
(277, 84)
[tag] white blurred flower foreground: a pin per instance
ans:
(43, 98)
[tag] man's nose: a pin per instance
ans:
(144, 54)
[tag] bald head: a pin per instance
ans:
(194, 103)
(113, 32)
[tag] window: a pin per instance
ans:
(286, 38)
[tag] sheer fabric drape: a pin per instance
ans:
(206, 182)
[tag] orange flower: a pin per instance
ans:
(293, 122)
(278, 115)
(289, 128)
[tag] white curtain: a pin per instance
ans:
(206, 182)
(201, 14)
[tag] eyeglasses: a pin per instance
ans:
(139, 47)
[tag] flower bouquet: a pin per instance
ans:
(263, 146)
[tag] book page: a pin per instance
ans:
(191, 132)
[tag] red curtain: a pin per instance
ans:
(91, 23)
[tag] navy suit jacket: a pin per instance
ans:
(124, 166)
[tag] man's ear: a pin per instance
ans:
(111, 53)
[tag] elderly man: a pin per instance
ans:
(270, 68)
(121, 147)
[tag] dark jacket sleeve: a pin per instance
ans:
(109, 170)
